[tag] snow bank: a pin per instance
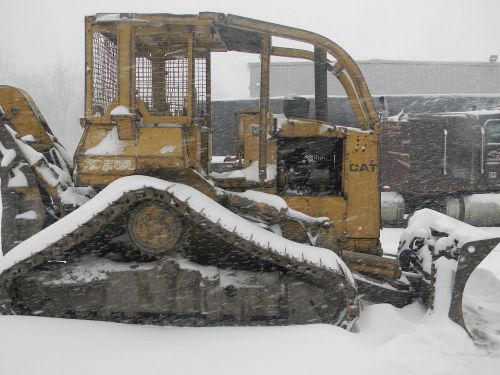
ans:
(397, 118)
(113, 17)
(168, 149)
(8, 155)
(107, 17)
(250, 173)
(50, 173)
(272, 200)
(72, 197)
(31, 155)
(198, 202)
(218, 159)
(389, 237)
(423, 221)
(120, 110)
(110, 145)
(68, 159)
(390, 341)
(19, 179)
(28, 215)
(297, 215)
(280, 205)
(281, 120)
(28, 138)
(445, 270)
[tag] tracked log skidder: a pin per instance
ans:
(136, 228)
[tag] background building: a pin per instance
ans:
(225, 112)
(388, 77)
(409, 86)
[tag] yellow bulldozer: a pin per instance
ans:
(138, 228)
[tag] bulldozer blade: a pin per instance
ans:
(471, 255)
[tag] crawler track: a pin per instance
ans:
(318, 275)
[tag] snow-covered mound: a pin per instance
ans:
(389, 341)
(423, 221)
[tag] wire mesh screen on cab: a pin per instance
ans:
(161, 79)
(105, 71)
(161, 74)
(163, 85)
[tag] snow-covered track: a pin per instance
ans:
(317, 266)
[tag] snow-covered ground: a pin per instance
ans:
(386, 341)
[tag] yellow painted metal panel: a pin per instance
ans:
(333, 207)
(146, 164)
(361, 176)
(155, 148)
(126, 66)
(24, 116)
(157, 141)
(248, 133)
(304, 128)
(84, 179)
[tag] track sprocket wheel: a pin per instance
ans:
(155, 229)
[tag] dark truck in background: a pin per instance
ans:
(440, 161)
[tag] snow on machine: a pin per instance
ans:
(136, 227)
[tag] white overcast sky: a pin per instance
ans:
(40, 33)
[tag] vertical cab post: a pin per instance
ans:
(126, 82)
(88, 65)
(320, 84)
(193, 130)
(265, 59)
(206, 133)
(126, 65)
(191, 90)
(208, 101)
